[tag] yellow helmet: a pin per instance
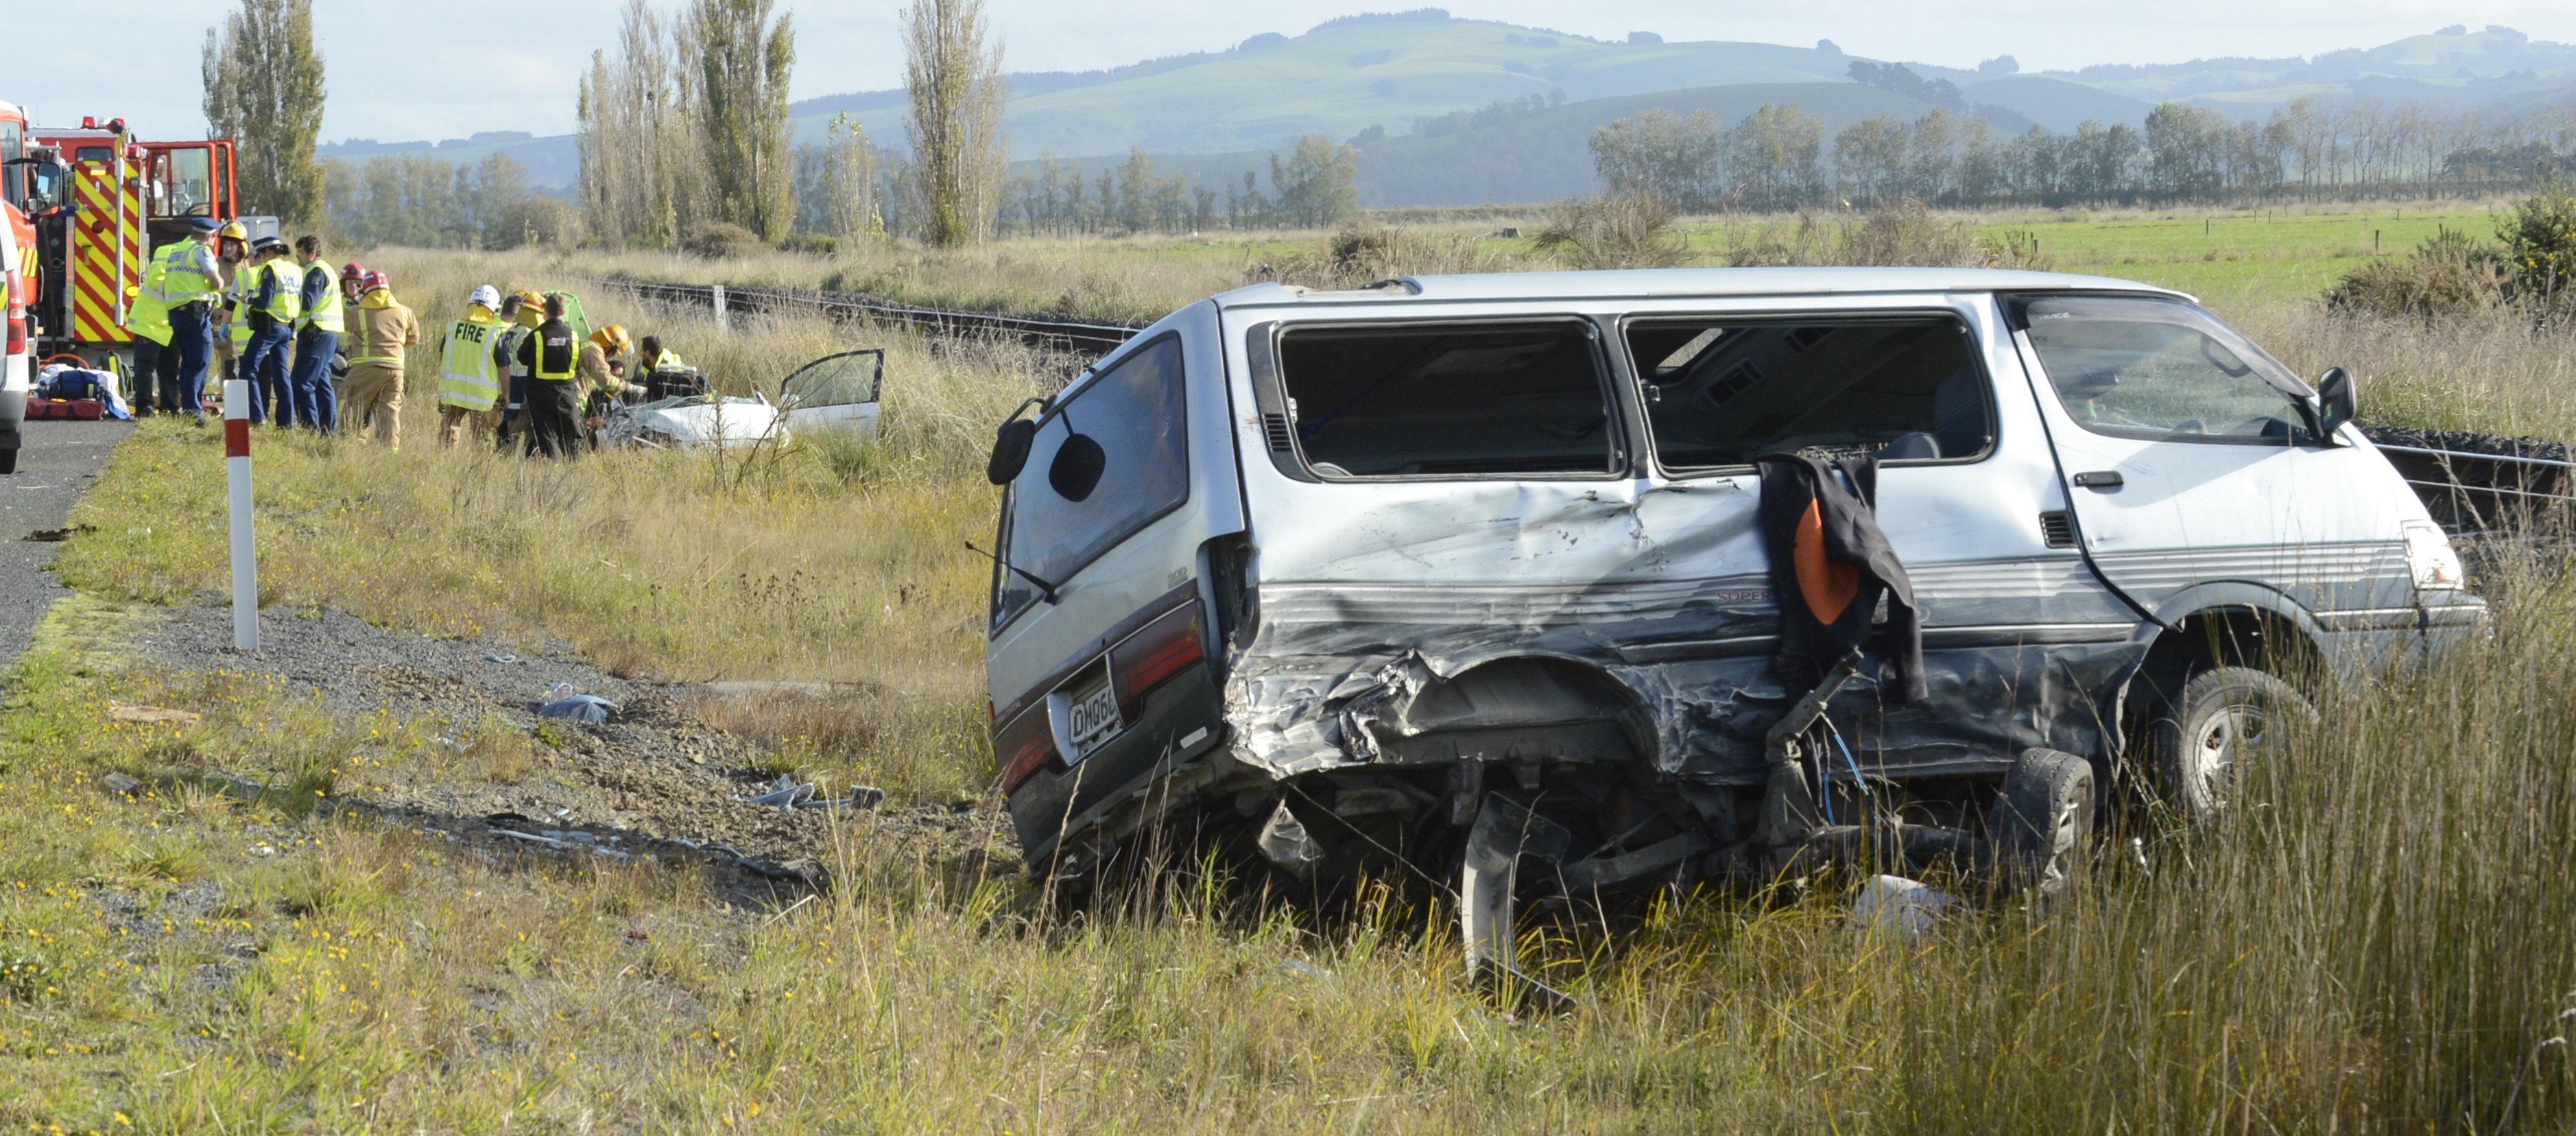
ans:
(233, 231)
(611, 339)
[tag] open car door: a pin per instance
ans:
(836, 392)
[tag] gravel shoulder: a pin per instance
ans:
(656, 780)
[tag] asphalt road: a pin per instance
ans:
(59, 463)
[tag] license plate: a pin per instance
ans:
(1095, 720)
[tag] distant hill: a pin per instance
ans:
(1216, 113)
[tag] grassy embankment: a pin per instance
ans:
(2377, 944)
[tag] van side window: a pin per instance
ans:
(1450, 400)
(2161, 370)
(1073, 502)
(1723, 391)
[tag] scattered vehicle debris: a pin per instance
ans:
(153, 715)
(1491, 575)
(1908, 909)
(788, 793)
(562, 701)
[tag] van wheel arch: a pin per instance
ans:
(2266, 650)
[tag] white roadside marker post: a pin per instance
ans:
(237, 481)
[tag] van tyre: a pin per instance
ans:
(2042, 821)
(8, 461)
(2224, 717)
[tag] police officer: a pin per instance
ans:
(274, 299)
(193, 282)
(317, 341)
(552, 355)
(521, 313)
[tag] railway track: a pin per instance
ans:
(2472, 483)
(1053, 333)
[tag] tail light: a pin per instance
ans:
(1023, 747)
(17, 317)
(1153, 655)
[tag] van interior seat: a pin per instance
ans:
(1912, 446)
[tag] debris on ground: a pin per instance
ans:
(1910, 909)
(562, 701)
(123, 784)
(788, 793)
(151, 715)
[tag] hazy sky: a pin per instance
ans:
(399, 72)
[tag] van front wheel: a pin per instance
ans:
(2225, 719)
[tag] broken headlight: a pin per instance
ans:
(2429, 556)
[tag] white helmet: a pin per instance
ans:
(486, 295)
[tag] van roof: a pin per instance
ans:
(1673, 283)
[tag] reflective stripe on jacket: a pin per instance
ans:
(184, 276)
(466, 376)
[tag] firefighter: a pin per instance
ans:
(385, 328)
(524, 311)
(469, 379)
(602, 382)
(274, 300)
(553, 356)
(230, 328)
(317, 342)
(651, 356)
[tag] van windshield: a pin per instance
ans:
(1110, 459)
(1463, 399)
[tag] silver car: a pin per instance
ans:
(1342, 576)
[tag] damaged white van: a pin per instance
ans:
(1354, 577)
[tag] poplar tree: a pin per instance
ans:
(959, 156)
(744, 63)
(264, 90)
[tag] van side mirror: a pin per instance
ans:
(2335, 400)
(1010, 450)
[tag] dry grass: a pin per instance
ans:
(2378, 942)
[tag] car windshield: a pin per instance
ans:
(2158, 369)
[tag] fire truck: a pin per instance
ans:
(98, 202)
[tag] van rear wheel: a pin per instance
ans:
(2224, 719)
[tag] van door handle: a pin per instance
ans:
(2104, 479)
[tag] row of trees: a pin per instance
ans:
(1781, 157)
(1313, 185)
(419, 199)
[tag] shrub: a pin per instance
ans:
(1365, 252)
(2447, 276)
(2540, 246)
(720, 240)
(1615, 230)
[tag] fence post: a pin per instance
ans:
(237, 482)
(722, 322)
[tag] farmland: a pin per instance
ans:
(2378, 946)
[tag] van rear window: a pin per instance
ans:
(1721, 392)
(1450, 400)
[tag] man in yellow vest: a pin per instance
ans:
(521, 312)
(317, 341)
(274, 300)
(385, 329)
(469, 378)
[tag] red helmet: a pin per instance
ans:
(352, 272)
(374, 280)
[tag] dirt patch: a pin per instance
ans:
(658, 780)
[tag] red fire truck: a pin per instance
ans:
(98, 201)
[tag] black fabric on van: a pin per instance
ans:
(1830, 564)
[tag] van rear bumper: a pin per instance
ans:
(13, 412)
(1180, 721)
